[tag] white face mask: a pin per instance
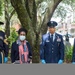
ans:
(22, 38)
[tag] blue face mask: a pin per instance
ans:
(22, 38)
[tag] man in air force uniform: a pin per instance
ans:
(52, 47)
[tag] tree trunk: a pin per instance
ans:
(7, 26)
(36, 49)
(22, 13)
(8, 17)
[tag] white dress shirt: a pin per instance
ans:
(53, 36)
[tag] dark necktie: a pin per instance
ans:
(52, 37)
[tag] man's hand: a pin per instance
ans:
(43, 62)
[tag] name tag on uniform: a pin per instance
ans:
(47, 41)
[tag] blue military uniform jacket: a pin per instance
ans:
(52, 52)
(73, 55)
(15, 51)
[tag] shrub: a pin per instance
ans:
(68, 54)
(13, 36)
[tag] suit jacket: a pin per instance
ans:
(6, 50)
(52, 52)
(15, 51)
(73, 54)
(4, 47)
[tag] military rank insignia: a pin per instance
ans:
(58, 39)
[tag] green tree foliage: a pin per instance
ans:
(64, 8)
(61, 11)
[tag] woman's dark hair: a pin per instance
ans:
(22, 30)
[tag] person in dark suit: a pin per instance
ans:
(67, 37)
(52, 46)
(3, 47)
(21, 50)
